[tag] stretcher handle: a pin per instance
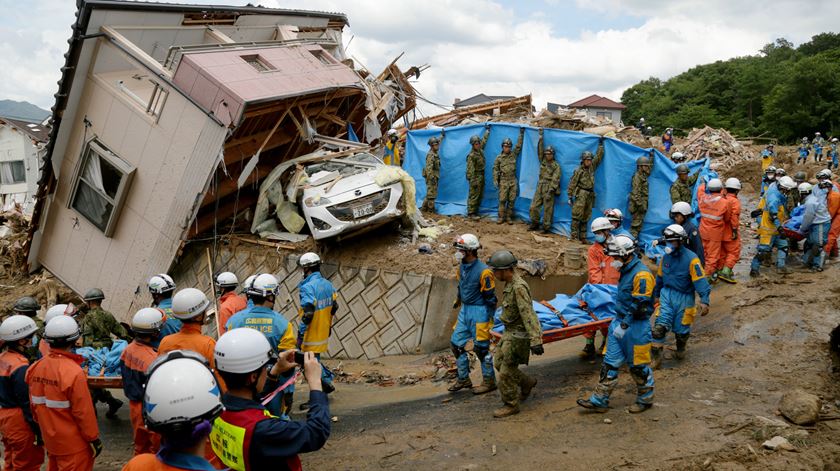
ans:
(556, 313)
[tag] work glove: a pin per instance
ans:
(537, 350)
(443, 132)
(654, 243)
(703, 309)
(734, 234)
(521, 130)
(487, 126)
(571, 201)
(755, 213)
(541, 131)
(456, 304)
(601, 140)
(619, 331)
(39, 440)
(96, 447)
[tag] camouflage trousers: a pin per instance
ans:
(581, 212)
(507, 196)
(543, 199)
(511, 353)
(636, 226)
(476, 190)
(431, 194)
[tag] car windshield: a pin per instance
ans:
(345, 167)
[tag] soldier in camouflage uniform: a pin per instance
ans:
(97, 327)
(29, 307)
(582, 191)
(504, 177)
(475, 171)
(548, 187)
(681, 189)
(639, 193)
(522, 336)
(431, 172)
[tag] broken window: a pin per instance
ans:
(257, 62)
(12, 172)
(604, 114)
(101, 186)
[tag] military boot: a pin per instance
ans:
(460, 384)
(681, 344)
(588, 352)
(534, 227)
(501, 220)
(527, 387)
(587, 404)
(114, 405)
(783, 270)
(637, 408)
(487, 384)
(655, 357)
(546, 230)
(509, 217)
(505, 411)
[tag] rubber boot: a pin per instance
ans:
(655, 357)
(114, 405)
(588, 352)
(546, 230)
(680, 353)
(587, 404)
(509, 217)
(637, 408)
(487, 384)
(460, 384)
(505, 411)
(527, 387)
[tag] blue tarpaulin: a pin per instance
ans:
(612, 179)
(599, 300)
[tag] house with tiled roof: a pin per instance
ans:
(598, 106)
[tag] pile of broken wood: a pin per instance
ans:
(13, 232)
(721, 147)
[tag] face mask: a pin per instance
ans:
(600, 238)
(459, 256)
(671, 247)
(617, 264)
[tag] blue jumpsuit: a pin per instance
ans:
(633, 307)
(772, 218)
(171, 326)
(816, 222)
(803, 153)
(835, 158)
(620, 230)
(237, 317)
(477, 293)
(695, 243)
(679, 276)
(318, 294)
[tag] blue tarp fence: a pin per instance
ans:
(600, 299)
(612, 179)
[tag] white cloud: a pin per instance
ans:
(482, 46)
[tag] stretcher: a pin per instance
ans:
(568, 331)
(105, 382)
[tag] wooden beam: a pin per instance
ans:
(319, 97)
(247, 149)
(204, 222)
(228, 185)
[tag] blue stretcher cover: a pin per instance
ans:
(97, 358)
(612, 179)
(598, 298)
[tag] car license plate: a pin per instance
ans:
(362, 211)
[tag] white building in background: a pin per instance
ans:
(22, 146)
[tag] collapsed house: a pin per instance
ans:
(168, 120)
(22, 148)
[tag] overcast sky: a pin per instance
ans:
(558, 50)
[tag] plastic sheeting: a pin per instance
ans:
(612, 179)
(103, 361)
(599, 299)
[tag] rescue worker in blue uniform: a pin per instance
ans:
(477, 299)
(681, 213)
(162, 287)
(629, 340)
(773, 215)
(246, 436)
(276, 329)
(317, 307)
(616, 217)
(680, 275)
(816, 222)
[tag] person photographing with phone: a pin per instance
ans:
(242, 358)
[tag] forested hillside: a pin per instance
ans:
(784, 92)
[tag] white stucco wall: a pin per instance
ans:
(15, 145)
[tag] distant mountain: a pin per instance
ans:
(22, 110)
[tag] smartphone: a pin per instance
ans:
(299, 358)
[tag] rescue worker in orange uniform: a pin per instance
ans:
(732, 237)
(714, 209)
(134, 362)
(23, 448)
(601, 271)
(229, 302)
(833, 203)
(61, 402)
(182, 400)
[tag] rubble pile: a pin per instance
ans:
(13, 229)
(722, 148)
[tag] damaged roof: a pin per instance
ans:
(36, 132)
(597, 101)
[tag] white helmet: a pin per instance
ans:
(160, 284)
(620, 246)
(824, 174)
(714, 184)
(601, 224)
(309, 259)
(805, 187)
(61, 329)
(732, 183)
(189, 303)
(614, 215)
(817, 133)
(677, 156)
(675, 232)
(181, 392)
(59, 310)
(834, 139)
(392, 132)
(242, 350)
(17, 327)
(681, 207)
(248, 282)
(148, 320)
(264, 285)
(467, 242)
(787, 183)
(227, 280)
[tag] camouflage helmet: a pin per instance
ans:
(94, 294)
(800, 176)
(682, 169)
(586, 155)
(433, 140)
(475, 140)
(26, 304)
(507, 142)
(643, 161)
(502, 260)
(549, 150)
